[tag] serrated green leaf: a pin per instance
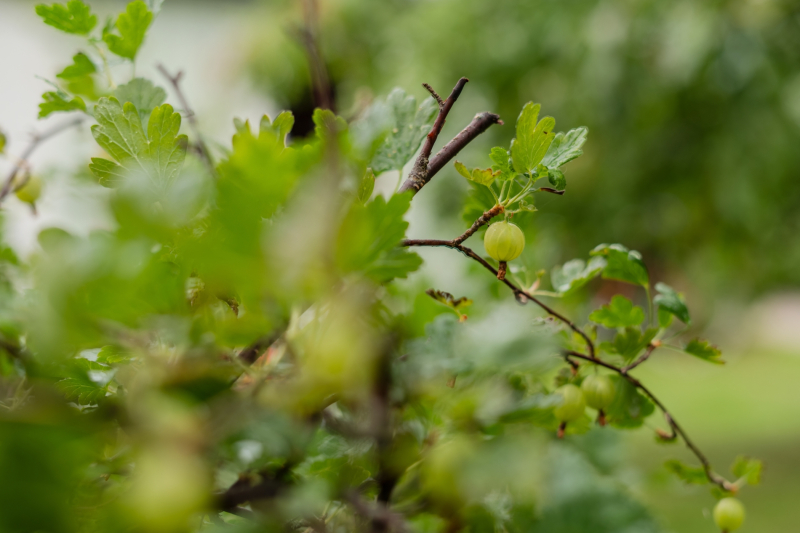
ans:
(80, 391)
(694, 475)
(502, 163)
(143, 94)
(619, 313)
(132, 25)
(481, 176)
(55, 102)
(622, 264)
(280, 128)
(630, 407)
(704, 350)
(81, 66)
(479, 200)
(576, 273)
(533, 139)
(74, 17)
(408, 126)
(630, 342)
(111, 355)
(327, 125)
(158, 155)
(449, 300)
(747, 468)
(565, 147)
(671, 301)
(109, 174)
(369, 239)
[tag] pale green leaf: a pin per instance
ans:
(408, 124)
(748, 468)
(132, 25)
(694, 475)
(576, 273)
(619, 313)
(533, 139)
(81, 66)
(704, 350)
(59, 101)
(622, 264)
(143, 94)
(72, 17)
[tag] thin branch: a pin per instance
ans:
(307, 35)
(425, 167)
(551, 190)
(650, 348)
(521, 295)
(712, 476)
(205, 153)
(37, 139)
(483, 219)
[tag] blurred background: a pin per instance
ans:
(693, 158)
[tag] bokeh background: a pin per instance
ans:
(693, 158)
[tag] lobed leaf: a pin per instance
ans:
(73, 17)
(81, 66)
(502, 163)
(132, 25)
(622, 264)
(576, 273)
(619, 313)
(143, 94)
(57, 101)
(534, 138)
(704, 350)
(565, 147)
(748, 468)
(480, 176)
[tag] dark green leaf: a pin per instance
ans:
(630, 342)
(132, 25)
(622, 264)
(557, 179)
(671, 301)
(479, 200)
(705, 351)
(74, 17)
(565, 147)
(408, 126)
(694, 475)
(533, 139)
(619, 313)
(630, 407)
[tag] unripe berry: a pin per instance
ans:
(504, 241)
(30, 191)
(598, 391)
(729, 514)
(573, 404)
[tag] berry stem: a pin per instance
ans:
(501, 271)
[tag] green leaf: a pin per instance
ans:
(280, 128)
(81, 66)
(622, 264)
(671, 301)
(3, 141)
(533, 139)
(664, 317)
(747, 468)
(132, 25)
(619, 313)
(565, 147)
(630, 407)
(366, 187)
(74, 17)
(705, 351)
(502, 163)
(481, 176)
(55, 102)
(369, 239)
(445, 298)
(478, 201)
(408, 126)
(694, 475)
(141, 93)
(327, 125)
(79, 386)
(557, 179)
(158, 155)
(576, 273)
(629, 342)
(110, 355)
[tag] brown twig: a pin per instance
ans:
(307, 36)
(426, 167)
(521, 295)
(205, 153)
(37, 139)
(650, 348)
(712, 476)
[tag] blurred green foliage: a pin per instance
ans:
(694, 105)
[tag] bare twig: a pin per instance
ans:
(307, 35)
(426, 167)
(712, 476)
(205, 153)
(650, 347)
(37, 139)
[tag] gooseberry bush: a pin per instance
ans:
(250, 346)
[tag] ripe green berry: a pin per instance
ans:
(729, 514)
(598, 391)
(30, 191)
(573, 404)
(504, 241)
